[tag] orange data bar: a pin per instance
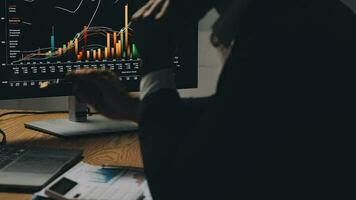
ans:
(115, 39)
(107, 44)
(106, 53)
(118, 49)
(113, 52)
(60, 51)
(80, 56)
(85, 35)
(76, 46)
(122, 38)
(128, 55)
(99, 54)
(94, 54)
(88, 55)
(126, 26)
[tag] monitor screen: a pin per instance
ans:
(42, 40)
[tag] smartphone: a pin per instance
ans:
(61, 189)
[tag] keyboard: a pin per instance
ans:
(9, 154)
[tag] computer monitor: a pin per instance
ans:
(41, 41)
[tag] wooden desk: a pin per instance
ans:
(110, 149)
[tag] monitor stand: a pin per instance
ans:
(80, 124)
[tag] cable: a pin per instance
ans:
(3, 141)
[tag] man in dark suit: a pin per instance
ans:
(281, 123)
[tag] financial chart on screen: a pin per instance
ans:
(42, 40)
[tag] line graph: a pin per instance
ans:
(77, 9)
(70, 11)
(96, 10)
(79, 6)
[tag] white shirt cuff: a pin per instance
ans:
(158, 80)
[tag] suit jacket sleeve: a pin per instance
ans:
(165, 120)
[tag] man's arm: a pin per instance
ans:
(161, 84)
(165, 122)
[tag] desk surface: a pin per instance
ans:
(123, 150)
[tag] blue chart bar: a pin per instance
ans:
(52, 44)
(52, 41)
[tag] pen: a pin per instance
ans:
(122, 167)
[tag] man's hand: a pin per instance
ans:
(153, 7)
(103, 91)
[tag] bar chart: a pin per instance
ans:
(81, 48)
(42, 41)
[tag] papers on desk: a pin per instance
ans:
(104, 183)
